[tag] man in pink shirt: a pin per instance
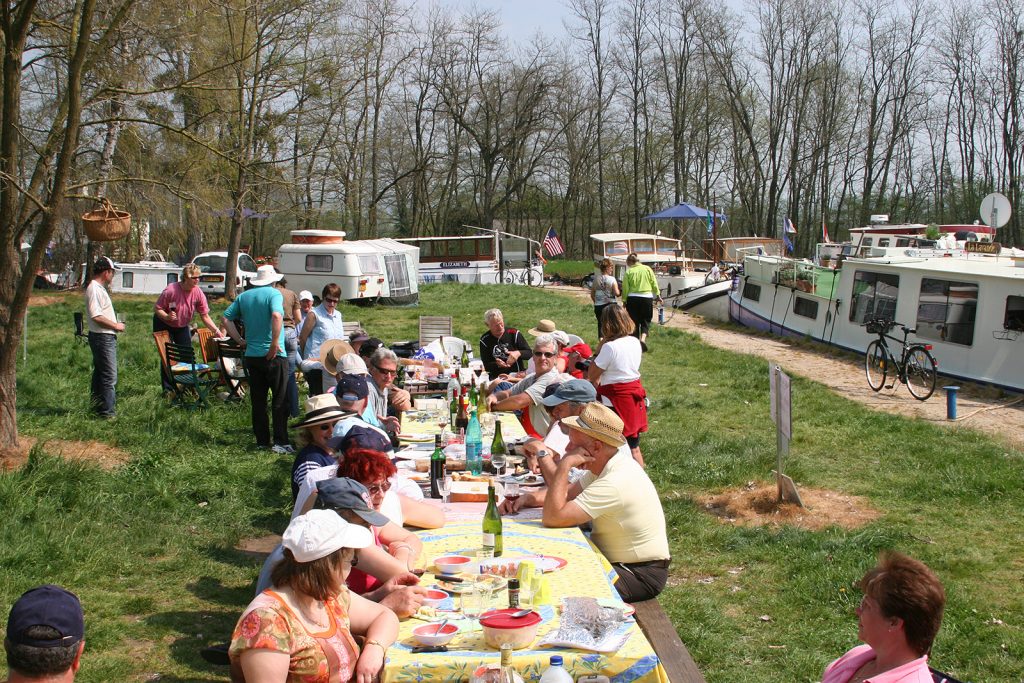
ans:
(176, 306)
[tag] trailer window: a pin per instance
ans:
(946, 311)
(319, 263)
(874, 296)
(127, 279)
(368, 264)
(1014, 318)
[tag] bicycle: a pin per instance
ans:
(915, 367)
(527, 276)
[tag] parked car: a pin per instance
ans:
(214, 265)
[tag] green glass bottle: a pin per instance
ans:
(437, 465)
(492, 523)
(498, 443)
(464, 361)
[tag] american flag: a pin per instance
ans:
(553, 244)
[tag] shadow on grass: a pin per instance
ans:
(198, 630)
(212, 589)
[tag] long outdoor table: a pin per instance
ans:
(586, 574)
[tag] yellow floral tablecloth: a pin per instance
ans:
(586, 574)
(511, 427)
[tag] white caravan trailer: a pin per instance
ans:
(144, 277)
(370, 271)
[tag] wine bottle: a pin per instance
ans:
(507, 674)
(474, 394)
(498, 443)
(492, 523)
(461, 417)
(464, 361)
(437, 465)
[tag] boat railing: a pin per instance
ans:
(798, 275)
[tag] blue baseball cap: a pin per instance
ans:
(50, 606)
(361, 437)
(351, 387)
(577, 390)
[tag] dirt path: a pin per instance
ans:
(842, 372)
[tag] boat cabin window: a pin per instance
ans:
(1014, 317)
(319, 263)
(808, 308)
(946, 311)
(127, 279)
(902, 242)
(874, 296)
(643, 246)
(867, 241)
(172, 277)
(883, 242)
(751, 291)
(246, 263)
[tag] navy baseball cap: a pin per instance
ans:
(50, 606)
(577, 390)
(361, 437)
(343, 493)
(351, 387)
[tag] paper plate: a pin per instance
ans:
(416, 438)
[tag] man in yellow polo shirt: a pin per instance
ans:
(616, 495)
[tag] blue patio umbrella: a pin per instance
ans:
(683, 210)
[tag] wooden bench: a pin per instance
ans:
(674, 656)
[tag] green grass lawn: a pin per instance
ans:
(149, 546)
(568, 270)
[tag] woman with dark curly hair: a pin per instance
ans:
(301, 630)
(898, 618)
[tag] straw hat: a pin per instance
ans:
(543, 327)
(331, 352)
(320, 409)
(599, 421)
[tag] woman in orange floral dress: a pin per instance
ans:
(302, 630)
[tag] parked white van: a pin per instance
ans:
(214, 265)
(368, 271)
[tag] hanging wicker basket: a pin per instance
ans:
(106, 224)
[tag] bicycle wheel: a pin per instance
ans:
(510, 277)
(532, 279)
(876, 365)
(920, 369)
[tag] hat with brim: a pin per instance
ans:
(543, 327)
(318, 533)
(351, 364)
(331, 352)
(575, 390)
(599, 421)
(342, 493)
(358, 336)
(265, 275)
(321, 409)
(305, 295)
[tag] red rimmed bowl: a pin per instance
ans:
(452, 564)
(434, 597)
(429, 634)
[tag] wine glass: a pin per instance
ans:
(444, 487)
(511, 493)
(498, 461)
(442, 420)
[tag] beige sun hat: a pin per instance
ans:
(599, 421)
(331, 352)
(318, 533)
(543, 327)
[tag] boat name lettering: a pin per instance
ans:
(983, 247)
(454, 264)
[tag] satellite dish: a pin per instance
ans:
(995, 210)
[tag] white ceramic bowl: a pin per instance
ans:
(453, 564)
(434, 597)
(427, 634)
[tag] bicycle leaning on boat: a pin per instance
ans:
(915, 366)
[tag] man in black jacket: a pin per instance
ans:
(503, 349)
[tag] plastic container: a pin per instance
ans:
(500, 627)
(556, 673)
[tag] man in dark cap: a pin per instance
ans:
(45, 636)
(103, 329)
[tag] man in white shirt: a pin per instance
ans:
(103, 329)
(616, 496)
(528, 393)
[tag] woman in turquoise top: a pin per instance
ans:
(323, 323)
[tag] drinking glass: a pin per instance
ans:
(471, 602)
(528, 585)
(442, 420)
(122, 318)
(444, 487)
(498, 461)
(511, 493)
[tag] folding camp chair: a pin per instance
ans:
(207, 346)
(162, 339)
(80, 334)
(192, 381)
(232, 371)
(434, 326)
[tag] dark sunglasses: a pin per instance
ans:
(545, 354)
(331, 301)
(327, 426)
(386, 371)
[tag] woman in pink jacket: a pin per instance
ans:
(898, 618)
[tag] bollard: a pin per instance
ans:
(951, 402)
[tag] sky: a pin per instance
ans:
(521, 19)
